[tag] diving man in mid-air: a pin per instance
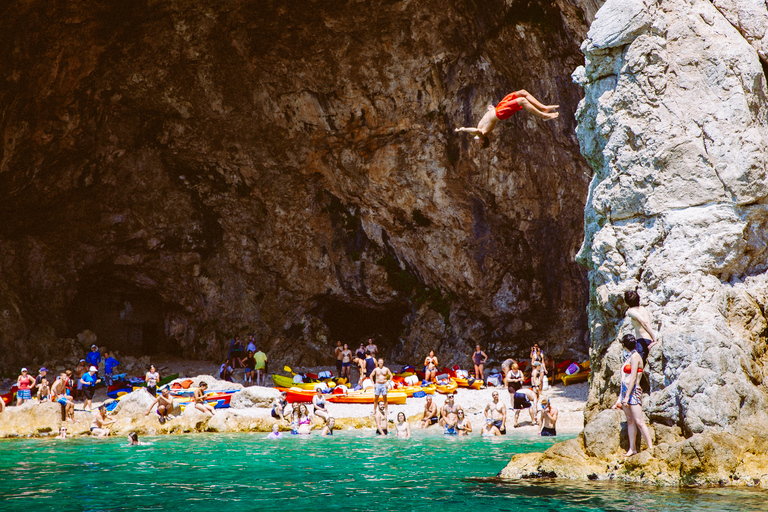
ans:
(509, 105)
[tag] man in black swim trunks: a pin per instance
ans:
(380, 417)
(548, 418)
(524, 398)
(496, 411)
(430, 414)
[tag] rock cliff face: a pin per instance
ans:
(675, 125)
(173, 174)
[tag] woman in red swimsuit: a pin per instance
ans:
(24, 383)
(631, 396)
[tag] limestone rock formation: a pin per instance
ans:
(674, 124)
(175, 173)
(254, 396)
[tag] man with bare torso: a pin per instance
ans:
(641, 322)
(511, 103)
(524, 398)
(59, 394)
(381, 377)
(548, 418)
(497, 412)
(449, 415)
(430, 414)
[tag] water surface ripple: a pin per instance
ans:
(350, 471)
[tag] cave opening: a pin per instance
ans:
(125, 318)
(354, 324)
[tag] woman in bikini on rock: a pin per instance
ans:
(631, 396)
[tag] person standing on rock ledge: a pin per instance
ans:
(511, 103)
(631, 396)
(641, 322)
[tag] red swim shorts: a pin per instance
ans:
(507, 107)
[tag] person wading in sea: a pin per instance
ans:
(548, 418)
(381, 377)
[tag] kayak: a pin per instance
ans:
(410, 390)
(282, 381)
(447, 389)
(9, 396)
(296, 395)
(191, 392)
(576, 377)
(464, 383)
(367, 397)
(218, 400)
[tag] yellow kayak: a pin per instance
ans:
(576, 377)
(410, 390)
(282, 381)
(464, 383)
(447, 389)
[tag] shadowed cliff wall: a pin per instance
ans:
(184, 172)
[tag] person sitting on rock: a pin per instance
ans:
(226, 372)
(279, 406)
(641, 322)
(511, 103)
(430, 414)
(100, 422)
(164, 406)
(200, 404)
(43, 391)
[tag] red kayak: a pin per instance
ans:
(298, 395)
(9, 396)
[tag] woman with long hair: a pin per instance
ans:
(631, 396)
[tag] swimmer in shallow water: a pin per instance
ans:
(380, 418)
(275, 434)
(327, 429)
(490, 430)
(402, 427)
(133, 439)
(511, 103)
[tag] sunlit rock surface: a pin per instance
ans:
(175, 173)
(674, 125)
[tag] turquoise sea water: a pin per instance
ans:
(349, 471)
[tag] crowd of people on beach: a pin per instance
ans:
(79, 385)
(75, 386)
